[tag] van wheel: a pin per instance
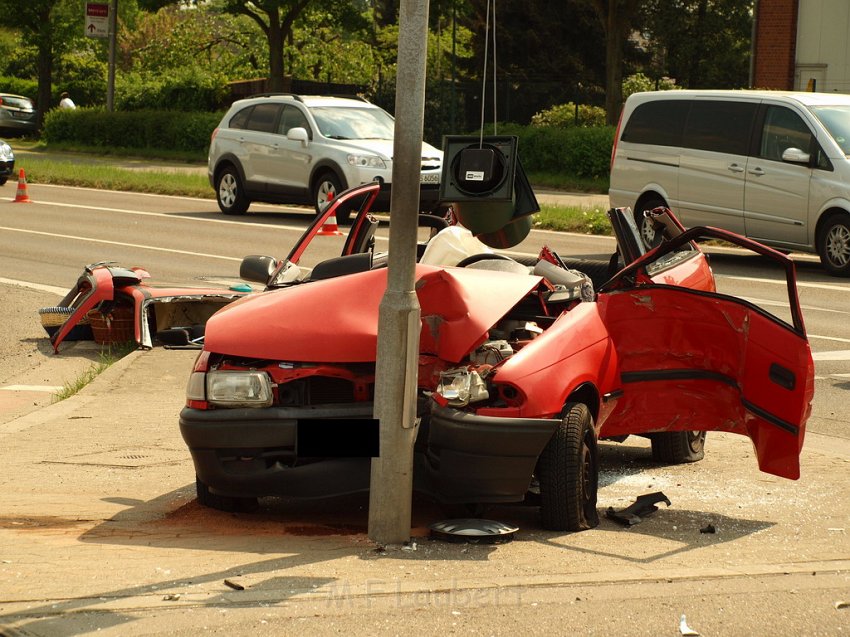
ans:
(568, 474)
(650, 236)
(834, 245)
(678, 447)
(229, 192)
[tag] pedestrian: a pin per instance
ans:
(66, 101)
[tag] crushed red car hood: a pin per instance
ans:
(336, 320)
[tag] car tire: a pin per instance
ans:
(327, 184)
(3, 181)
(651, 238)
(833, 245)
(568, 474)
(230, 504)
(230, 193)
(678, 447)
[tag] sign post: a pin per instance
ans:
(97, 20)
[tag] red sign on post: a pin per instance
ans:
(97, 20)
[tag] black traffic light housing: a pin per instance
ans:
(484, 181)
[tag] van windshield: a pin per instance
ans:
(836, 119)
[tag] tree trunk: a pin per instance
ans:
(45, 66)
(276, 84)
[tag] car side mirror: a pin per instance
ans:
(795, 156)
(298, 134)
(257, 268)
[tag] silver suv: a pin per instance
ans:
(282, 148)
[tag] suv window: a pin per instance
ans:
(783, 129)
(659, 122)
(263, 118)
(720, 126)
(292, 117)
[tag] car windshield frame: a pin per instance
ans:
(353, 122)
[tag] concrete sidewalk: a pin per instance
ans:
(100, 531)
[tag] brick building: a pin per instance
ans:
(802, 45)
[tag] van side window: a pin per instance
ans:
(659, 122)
(720, 126)
(783, 129)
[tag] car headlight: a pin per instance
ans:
(6, 153)
(366, 161)
(459, 387)
(239, 389)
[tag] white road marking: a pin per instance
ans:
(818, 286)
(36, 286)
(120, 243)
(829, 338)
(52, 389)
(834, 355)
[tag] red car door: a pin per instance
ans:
(697, 360)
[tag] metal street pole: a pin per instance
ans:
(391, 487)
(110, 81)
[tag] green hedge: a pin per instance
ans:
(582, 152)
(167, 130)
(17, 86)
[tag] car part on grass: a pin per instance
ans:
(473, 531)
(643, 506)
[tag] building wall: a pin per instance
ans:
(775, 43)
(823, 54)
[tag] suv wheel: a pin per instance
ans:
(834, 245)
(328, 186)
(229, 192)
(650, 237)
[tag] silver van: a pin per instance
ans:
(770, 165)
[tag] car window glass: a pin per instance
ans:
(13, 101)
(658, 122)
(263, 118)
(720, 126)
(783, 129)
(353, 123)
(292, 118)
(836, 119)
(241, 118)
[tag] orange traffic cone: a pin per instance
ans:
(21, 196)
(330, 227)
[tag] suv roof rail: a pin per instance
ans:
(292, 95)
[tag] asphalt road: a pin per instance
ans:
(183, 241)
(100, 530)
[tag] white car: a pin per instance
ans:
(284, 148)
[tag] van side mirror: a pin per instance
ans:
(257, 268)
(298, 134)
(795, 156)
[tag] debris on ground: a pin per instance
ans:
(642, 506)
(708, 528)
(842, 604)
(234, 585)
(686, 630)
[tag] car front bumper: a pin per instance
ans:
(460, 457)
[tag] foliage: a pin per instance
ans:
(570, 114)
(185, 89)
(128, 130)
(638, 83)
(27, 88)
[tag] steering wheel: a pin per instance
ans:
(483, 256)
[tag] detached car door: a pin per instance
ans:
(697, 360)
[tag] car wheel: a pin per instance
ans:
(678, 447)
(567, 472)
(834, 245)
(230, 193)
(326, 188)
(231, 504)
(650, 236)
(3, 181)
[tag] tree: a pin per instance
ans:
(47, 25)
(618, 18)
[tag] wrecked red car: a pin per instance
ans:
(523, 367)
(131, 310)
